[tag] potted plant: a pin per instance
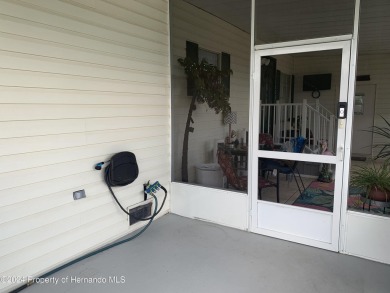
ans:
(384, 132)
(209, 89)
(375, 180)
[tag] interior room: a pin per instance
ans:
(207, 141)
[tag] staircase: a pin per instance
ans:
(289, 120)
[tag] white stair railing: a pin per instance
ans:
(321, 127)
(289, 120)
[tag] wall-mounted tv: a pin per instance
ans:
(317, 82)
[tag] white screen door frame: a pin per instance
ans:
(307, 226)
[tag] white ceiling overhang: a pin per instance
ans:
(285, 20)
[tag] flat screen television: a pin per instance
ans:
(317, 82)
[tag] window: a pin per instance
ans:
(210, 57)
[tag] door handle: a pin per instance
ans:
(341, 153)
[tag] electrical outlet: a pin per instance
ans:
(79, 194)
(140, 211)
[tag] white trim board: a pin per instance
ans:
(293, 225)
(304, 42)
(219, 206)
(367, 236)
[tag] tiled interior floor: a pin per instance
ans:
(288, 190)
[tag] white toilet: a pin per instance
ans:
(209, 175)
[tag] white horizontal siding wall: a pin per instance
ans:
(79, 81)
(211, 33)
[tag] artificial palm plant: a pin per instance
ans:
(209, 89)
(384, 132)
(375, 180)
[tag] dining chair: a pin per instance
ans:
(266, 140)
(285, 166)
(241, 182)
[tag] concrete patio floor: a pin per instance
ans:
(177, 254)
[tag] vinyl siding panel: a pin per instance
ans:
(79, 81)
(192, 24)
